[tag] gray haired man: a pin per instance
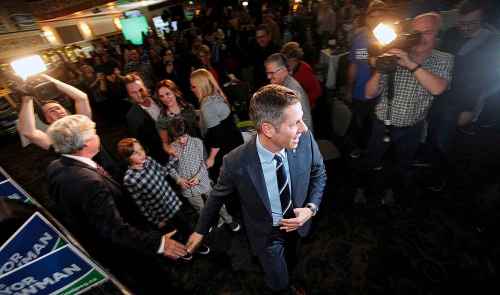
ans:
(84, 194)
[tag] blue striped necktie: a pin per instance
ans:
(284, 188)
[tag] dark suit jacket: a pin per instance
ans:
(242, 173)
(84, 201)
(143, 127)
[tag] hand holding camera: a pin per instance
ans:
(402, 58)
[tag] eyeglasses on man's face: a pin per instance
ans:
(271, 73)
(468, 24)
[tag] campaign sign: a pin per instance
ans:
(35, 238)
(3, 175)
(64, 271)
(10, 190)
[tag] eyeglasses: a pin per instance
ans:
(274, 72)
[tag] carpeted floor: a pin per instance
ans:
(445, 243)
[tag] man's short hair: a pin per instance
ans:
(292, 50)
(131, 78)
(38, 107)
(436, 16)
(469, 6)
(263, 27)
(278, 59)
(69, 134)
(268, 104)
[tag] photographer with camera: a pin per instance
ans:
(421, 74)
(51, 110)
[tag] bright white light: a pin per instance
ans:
(28, 66)
(384, 34)
(85, 29)
(244, 3)
(117, 23)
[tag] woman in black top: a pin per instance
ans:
(174, 106)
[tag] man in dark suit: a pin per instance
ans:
(279, 177)
(142, 117)
(84, 199)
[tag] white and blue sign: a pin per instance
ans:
(10, 190)
(35, 238)
(63, 271)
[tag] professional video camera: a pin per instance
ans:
(30, 82)
(389, 36)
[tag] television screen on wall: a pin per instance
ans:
(133, 28)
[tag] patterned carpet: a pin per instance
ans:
(445, 243)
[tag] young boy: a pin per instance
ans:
(191, 172)
(145, 181)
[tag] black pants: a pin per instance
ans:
(361, 123)
(405, 142)
(180, 222)
(278, 259)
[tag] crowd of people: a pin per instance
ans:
(184, 147)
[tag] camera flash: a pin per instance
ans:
(384, 34)
(28, 66)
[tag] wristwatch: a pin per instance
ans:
(312, 207)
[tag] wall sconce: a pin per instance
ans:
(50, 36)
(117, 23)
(85, 29)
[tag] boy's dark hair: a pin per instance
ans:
(125, 148)
(176, 128)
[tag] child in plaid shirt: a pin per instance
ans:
(145, 181)
(191, 171)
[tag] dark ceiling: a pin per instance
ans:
(48, 9)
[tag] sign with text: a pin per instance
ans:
(10, 190)
(35, 238)
(64, 271)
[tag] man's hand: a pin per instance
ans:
(403, 58)
(194, 241)
(465, 118)
(171, 248)
(302, 215)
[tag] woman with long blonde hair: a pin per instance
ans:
(221, 134)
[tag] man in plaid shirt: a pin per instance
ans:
(421, 74)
